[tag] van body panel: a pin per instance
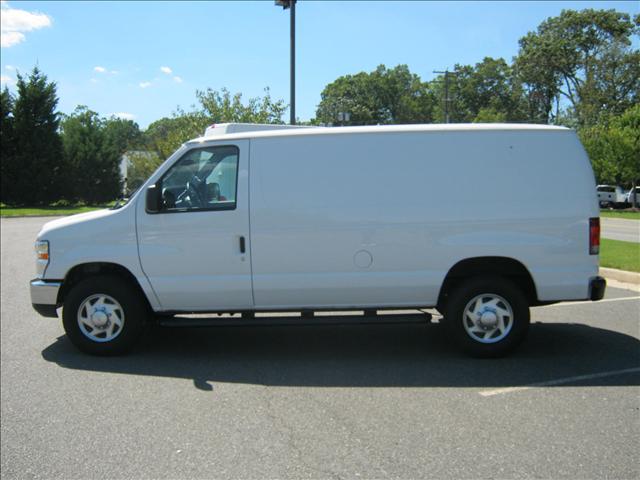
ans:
(318, 201)
(192, 258)
(103, 236)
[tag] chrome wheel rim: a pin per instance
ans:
(487, 318)
(100, 318)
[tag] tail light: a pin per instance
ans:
(594, 236)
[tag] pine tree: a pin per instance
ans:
(7, 146)
(38, 163)
(92, 156)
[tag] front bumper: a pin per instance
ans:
(44, 297)
(597, 286)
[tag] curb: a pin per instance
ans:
(621, 275)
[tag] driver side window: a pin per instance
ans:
(203, 179)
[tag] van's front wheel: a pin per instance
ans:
(487, 316)
(103, 315)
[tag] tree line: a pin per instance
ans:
(51, 157)
(48, 156)
(578, 69)
(575, 69)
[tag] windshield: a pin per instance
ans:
(124, 200)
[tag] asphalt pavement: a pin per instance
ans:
(620, 229)
(318, 402)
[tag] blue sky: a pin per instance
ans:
(109, 55)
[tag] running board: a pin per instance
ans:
(296, 321)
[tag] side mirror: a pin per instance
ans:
(153, 199)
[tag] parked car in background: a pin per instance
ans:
(611, 196)
(629, 196)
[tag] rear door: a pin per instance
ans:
(193, 250)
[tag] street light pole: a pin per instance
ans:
(292, 80)
(291, 5)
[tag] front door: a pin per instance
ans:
(194, 250)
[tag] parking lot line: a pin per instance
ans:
(567, 304)
(560, 381)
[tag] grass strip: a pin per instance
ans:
(620, 214)
(620, 255)
(45, 211)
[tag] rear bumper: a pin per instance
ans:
(597, 286)
(44, 297)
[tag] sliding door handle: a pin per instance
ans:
(242, 245)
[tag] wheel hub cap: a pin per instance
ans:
(100, 318)
(488, 318)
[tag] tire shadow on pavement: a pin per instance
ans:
(413, 355)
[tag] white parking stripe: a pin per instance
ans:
(561, 381)
(581, 302)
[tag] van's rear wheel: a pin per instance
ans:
(487, 316)
(104, 315)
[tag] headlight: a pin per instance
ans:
(42, 256)
(42, 250)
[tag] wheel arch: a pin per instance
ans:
(91, 269)
(506, 267)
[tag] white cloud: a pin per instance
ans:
(8, 39)
(10, 67)
(166, 70)
(114, 72)
(144, 84)
(124, 115)
(6, 80)
(94, 80)
(177, 79)
(99, 69)
(13, 22)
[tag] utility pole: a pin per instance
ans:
(291, 5)
(447, 73)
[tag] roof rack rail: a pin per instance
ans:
(220, 129)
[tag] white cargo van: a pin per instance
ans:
(247, 219)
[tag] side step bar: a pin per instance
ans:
(306, 320)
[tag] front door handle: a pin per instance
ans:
(242, 245)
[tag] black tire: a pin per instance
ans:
(502, 343)
(134, 311)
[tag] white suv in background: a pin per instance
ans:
(611, 196)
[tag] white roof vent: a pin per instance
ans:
(220, 129)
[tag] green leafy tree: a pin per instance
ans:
(222, 107)
(164, 136)
(625, 145)
(488, 91)
(585, 57)
(122, 135)
(490, 115)
(594, 139)
(614, 148)
(34, 171)
(7, 145)
(92, 160)
(384, 96)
